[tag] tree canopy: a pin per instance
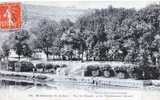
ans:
(111, 34)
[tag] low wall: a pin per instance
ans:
(103, 81)
(97, 81)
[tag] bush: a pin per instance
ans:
(120, 69)
(75, 59)
(11, 65)
(41, 77)
(122, 72)
(24, 66)
(48, 66)
(137, 73)
(18, 66)
(106, 71)
(146, 72)
(122, 75)
(63, 66)
(40, 66)
(92, 70)
(150, 72)
(56, 66)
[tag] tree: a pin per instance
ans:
(46, 35)
(79, 43)
(66, 24)
(27, 51)
(114, 34)
(6, 49)
(1, 55)
(21, 47)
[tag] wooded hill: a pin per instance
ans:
(111, 34)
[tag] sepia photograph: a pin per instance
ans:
(82, 49)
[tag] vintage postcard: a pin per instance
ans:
(80, 50)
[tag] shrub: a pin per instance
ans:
(11, 65)
(122, 72)
(63, 66)
(18, 66)
(146, 72)
(122, 75)
(106, 71)
(48, 66)
(137, 73)
(24, 66)
(41, 77)
(92, 70)
(56, 66)
(151, 72)
(40, 66)
(120, 69)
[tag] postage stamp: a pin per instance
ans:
(10, 15)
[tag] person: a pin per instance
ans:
(9, 16)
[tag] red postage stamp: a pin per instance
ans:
(10, 15)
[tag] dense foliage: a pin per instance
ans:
(111, 34)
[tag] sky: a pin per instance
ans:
(85, 4)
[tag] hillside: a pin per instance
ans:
(33, 13)
(56, 13)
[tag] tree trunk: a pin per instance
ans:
(60, 57)
(87, 55)
(156, 61)
(47, 55)
(19, 57)
(7, 58)
(53, 57)
(71, 57)
(82, 56)
(79, 56)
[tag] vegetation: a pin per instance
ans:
(111, 34)
(24, 66)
